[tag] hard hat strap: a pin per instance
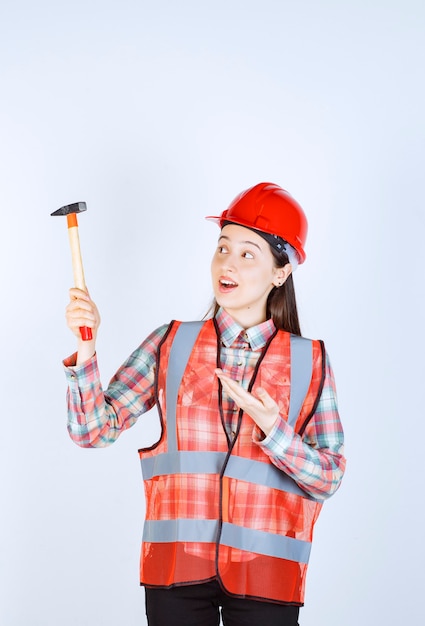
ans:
(276, 242)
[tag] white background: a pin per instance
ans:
(157, 114)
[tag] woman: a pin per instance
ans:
(251, 441)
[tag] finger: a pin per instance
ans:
(265, 398)
(242, 397)
(80, 311)
(225, 378)
(78, 294)
(239, 395)
(228, 383)
(76, 309)
(77, 305)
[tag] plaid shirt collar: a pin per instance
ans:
(230, 331)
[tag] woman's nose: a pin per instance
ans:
(229, 263)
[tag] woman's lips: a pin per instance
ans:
(226, 285)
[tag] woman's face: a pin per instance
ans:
(243, 274)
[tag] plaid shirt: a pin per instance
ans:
(96, 418)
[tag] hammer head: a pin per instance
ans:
(76, 207)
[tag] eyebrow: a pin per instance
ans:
(252, 243)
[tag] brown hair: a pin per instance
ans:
(281, 303)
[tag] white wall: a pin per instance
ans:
(156, 114)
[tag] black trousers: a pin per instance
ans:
(199, 605)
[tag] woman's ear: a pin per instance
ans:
(282, 274)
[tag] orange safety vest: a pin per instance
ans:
(217, 508)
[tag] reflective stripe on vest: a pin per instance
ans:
(247, 539)
(301, 367)
(181, 348)
(237, 467)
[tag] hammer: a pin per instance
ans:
(71, 211)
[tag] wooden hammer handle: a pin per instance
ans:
(77, 265)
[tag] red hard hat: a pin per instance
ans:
(269, 208)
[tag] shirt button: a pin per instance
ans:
(240, 363)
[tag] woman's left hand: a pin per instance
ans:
(260, 407)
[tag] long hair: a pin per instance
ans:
(281, 303)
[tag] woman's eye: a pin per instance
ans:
(248, 255)
(222, 249)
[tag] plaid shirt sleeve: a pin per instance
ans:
(316, 460)
(97, 418)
